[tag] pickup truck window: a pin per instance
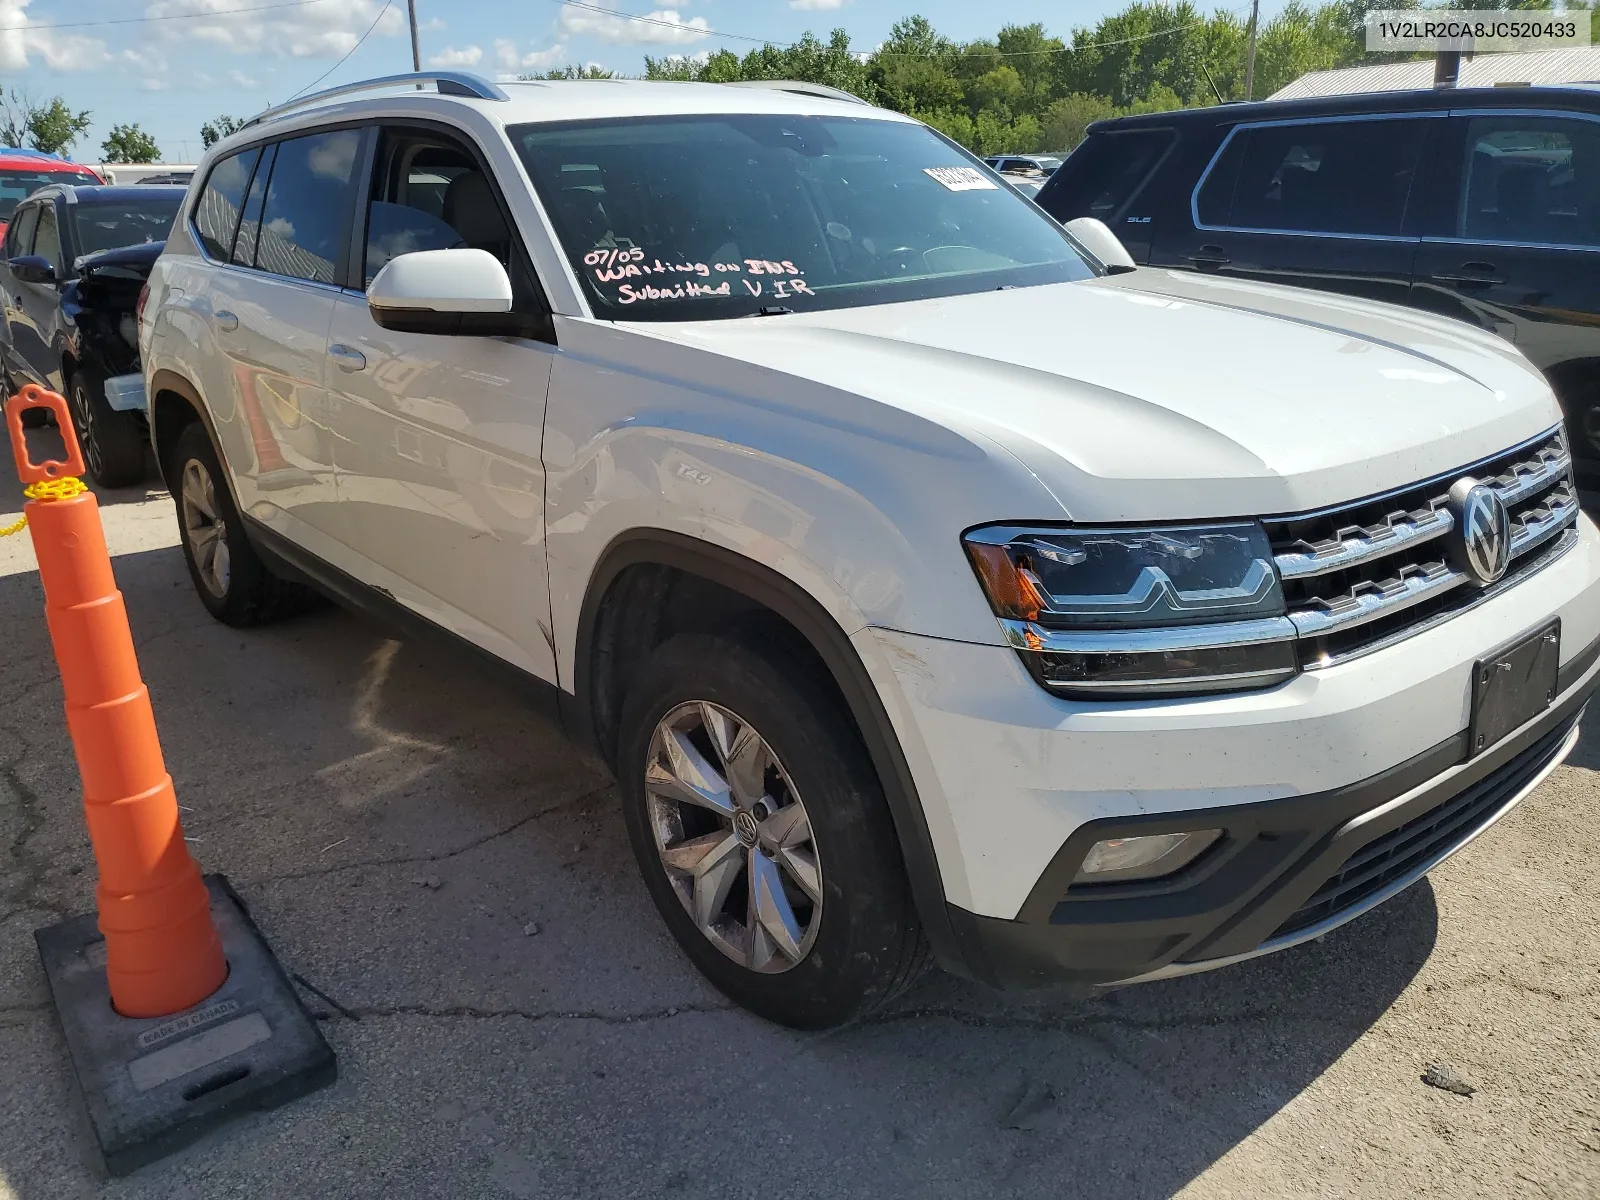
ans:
(703, 217)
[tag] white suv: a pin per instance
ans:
(929, 585)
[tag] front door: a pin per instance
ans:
(1312, 203)
(40, 303)
(1513, 246)
(20, 333)
(441, 487)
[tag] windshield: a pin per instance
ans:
(17, 186)
(110, 224)
(689, 218)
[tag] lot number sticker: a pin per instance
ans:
(962, 179)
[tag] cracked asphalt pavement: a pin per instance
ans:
(451, 882)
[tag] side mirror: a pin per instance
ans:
(33, 268)
(1099, 241)
(459, 291)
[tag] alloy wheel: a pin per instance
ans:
(734, 837)
(83, 417)
(203, 528)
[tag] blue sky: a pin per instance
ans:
(170, 64)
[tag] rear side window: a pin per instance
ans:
(244, 246)
(216, 217)
(308, 206)
(1102, 175)
(1350, 177)
(1532, 179)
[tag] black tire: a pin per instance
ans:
(868, 946)
(113, 443)
(243, 591)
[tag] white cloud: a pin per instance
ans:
(663, 27)
(431, 25)
(326, 30)
(816, 5)
(240, 80)
(451, 57)
(510, 60)
(60, 51)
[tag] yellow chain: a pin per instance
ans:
(64, 488)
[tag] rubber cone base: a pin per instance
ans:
(153, 1086)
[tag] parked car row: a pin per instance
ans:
(1480, 205)
(932, 587)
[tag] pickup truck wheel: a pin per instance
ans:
(763, 835)
(113, 443)
(231, 580)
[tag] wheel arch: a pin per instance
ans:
(597, 694)
(175, 403)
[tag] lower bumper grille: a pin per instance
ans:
(1403, 850)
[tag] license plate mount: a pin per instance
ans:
(1513, 685)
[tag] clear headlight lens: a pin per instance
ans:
(1151, 857)
(1139, 612)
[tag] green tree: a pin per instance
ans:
(51, 127)
(832, 63)
(130, 144)
(1066, 121)
(573, 71)
(219, 127)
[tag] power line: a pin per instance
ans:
(190, 16)
(386, 6)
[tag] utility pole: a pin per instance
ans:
(1249, 66)
(416, 46)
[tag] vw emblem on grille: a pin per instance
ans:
(1481, 539)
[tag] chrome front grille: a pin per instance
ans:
(1366, 574)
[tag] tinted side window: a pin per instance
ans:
(47, 241)
(19, 235)
(308, 204)
(1321, 177)
(1531, 179)
(1102, 175)
(244, 246)
(216, 216)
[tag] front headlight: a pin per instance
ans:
(1139, 612)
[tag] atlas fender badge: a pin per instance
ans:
(1480, 542)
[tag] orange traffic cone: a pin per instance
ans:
(163, 954)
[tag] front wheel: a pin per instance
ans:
(763, 834)
(113, 443)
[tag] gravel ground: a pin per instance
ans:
(396, 819)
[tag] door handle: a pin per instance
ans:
(1210, 256)
(346, 358)
(1472, 274)
(225, 320)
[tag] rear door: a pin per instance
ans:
(1319, 202)
(20, 335)
(275, 225)
(1512, 245)
(1106, 178)
(441, 486)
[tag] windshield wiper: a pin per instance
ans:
(772, 310)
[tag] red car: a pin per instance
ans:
(23, 172)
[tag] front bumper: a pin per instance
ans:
(1286, 872)
(1315, 781)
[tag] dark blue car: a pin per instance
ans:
(72, 265)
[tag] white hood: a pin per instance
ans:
(1162, 395)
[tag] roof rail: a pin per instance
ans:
(446, 83)
(800, 88)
